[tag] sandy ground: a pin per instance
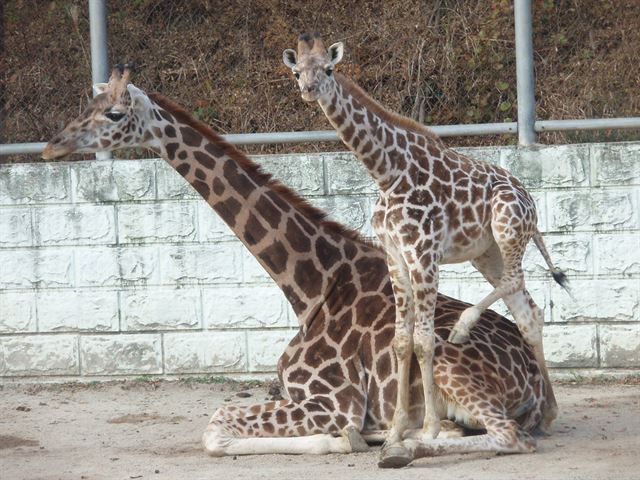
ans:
(152, 431)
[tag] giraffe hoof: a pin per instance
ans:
(395, 456)
(540, 432)
(358, 444)
(543, 429)
(457, 337)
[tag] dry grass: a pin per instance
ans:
(440, 61)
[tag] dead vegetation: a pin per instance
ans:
(439, 61)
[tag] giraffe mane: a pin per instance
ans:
(256, 173)
(396, 119)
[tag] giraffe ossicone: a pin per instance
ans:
(340, 373)
(435, 206)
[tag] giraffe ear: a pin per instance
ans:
(335, 52)
(138, 97)
(99, 88)
(290, 58)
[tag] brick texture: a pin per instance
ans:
(111, 268)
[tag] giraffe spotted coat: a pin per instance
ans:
(339, 370)
(435, 206)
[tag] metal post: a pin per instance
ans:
(99, 57)
(524, 72)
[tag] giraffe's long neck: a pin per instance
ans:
(378, 138)
(309, 258)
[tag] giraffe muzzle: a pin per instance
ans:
(310, 93)
(54, 151)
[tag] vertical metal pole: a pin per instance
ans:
(524, 72)
(99, 57)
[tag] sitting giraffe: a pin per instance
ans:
(435, 206)
(339, 369)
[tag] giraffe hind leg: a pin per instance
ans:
(528, 317)
(530, 320)
(505, 436)
(490, 265)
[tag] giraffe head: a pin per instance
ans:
(116, 118)
(313, 66)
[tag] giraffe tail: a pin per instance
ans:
(558, 275)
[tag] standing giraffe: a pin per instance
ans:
(435, 206)
(339, 370)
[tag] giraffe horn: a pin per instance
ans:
(304, 44)
(318, 44)
(116, 74)
(126, 74)
(114, 80)
(120, 78)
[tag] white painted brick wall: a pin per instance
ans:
(253, 306)
(615, 254)
(17, 312)
(157, 222)
(73, 225)
(117, 267)
(34, 183)
(205, 352)
(161, 309)
(620, 345)
(571, 346)
(39, 355)
(15, 227)
(593, 210)
(36, 268)
(111, 180)
(121, 354)
(77, 310)
(265, 348)
(303, 173)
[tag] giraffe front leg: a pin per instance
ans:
(424, 281)
(285, 427)
(393, 453)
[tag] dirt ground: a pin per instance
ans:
(151, 430)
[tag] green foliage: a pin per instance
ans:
(209, 380)
(206, 114)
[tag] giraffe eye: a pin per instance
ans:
(297, 75)
(328, 71)
(114, 116)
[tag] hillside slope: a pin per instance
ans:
(445, 61)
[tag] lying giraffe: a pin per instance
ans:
(339, 371)
(435, 206)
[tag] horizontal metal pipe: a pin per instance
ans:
(442, 130)
(587, 124)
(301, 137)
(475, 129)
(21, 148)
(332, 136)
(282, 137)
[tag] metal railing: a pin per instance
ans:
(526, 126)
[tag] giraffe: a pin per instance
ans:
(339, 369)
(435, 206)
